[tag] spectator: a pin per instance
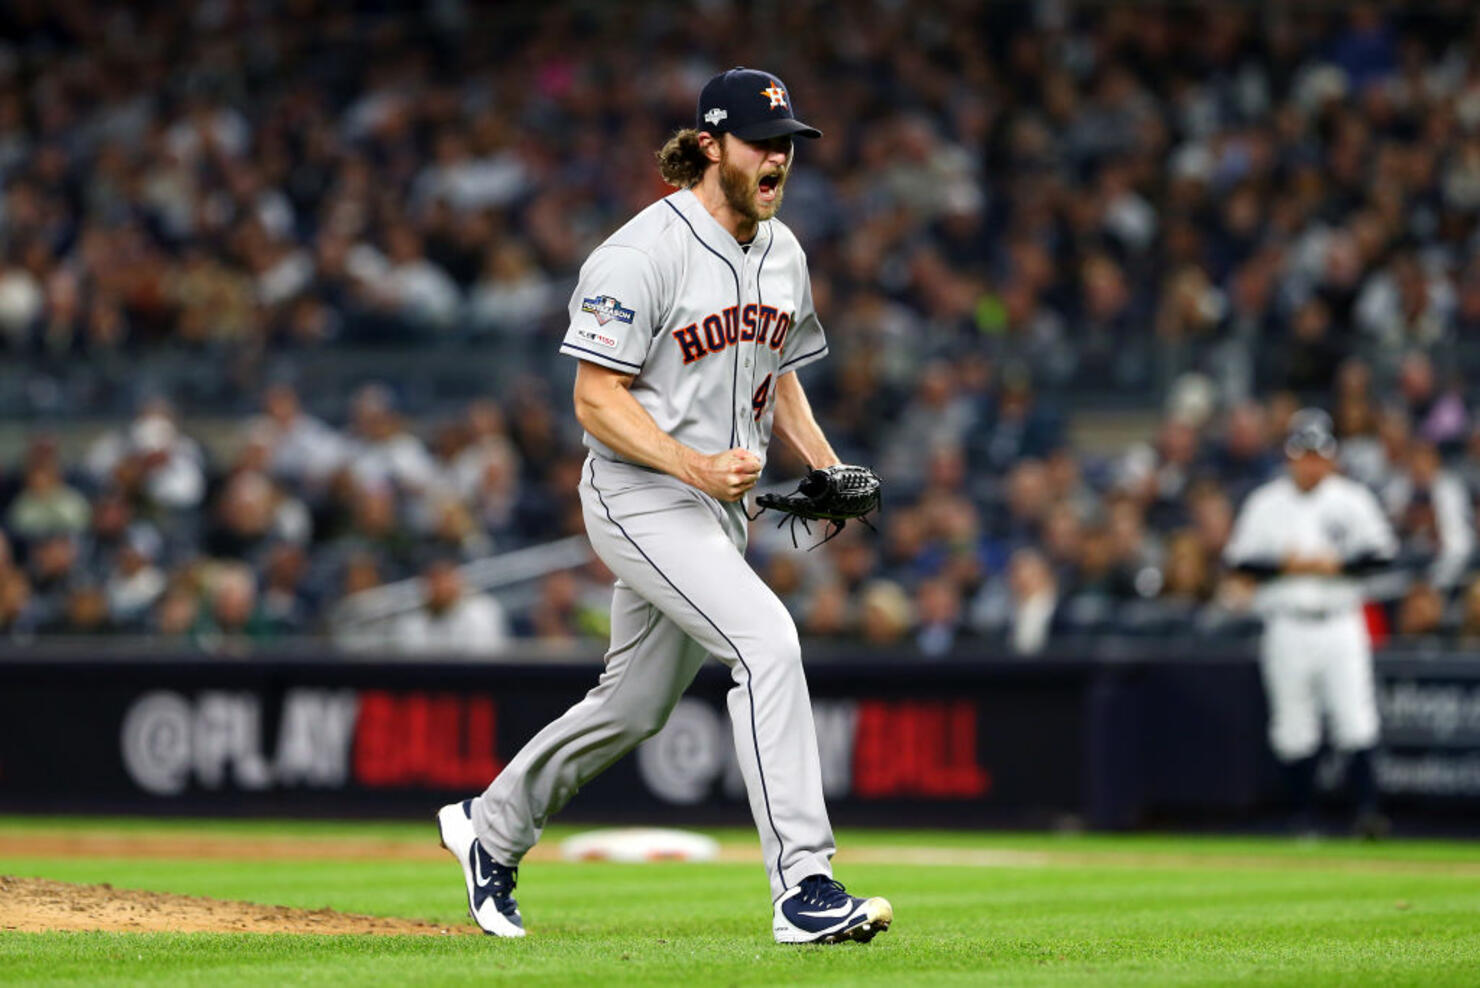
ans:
(251, 514)
(1019, 608)
(1242, 460)
(19, 614)
(1034, 600)
(302, 450)
(134, 584)
(1404, 307)
(1430, 508)
(177, 610)
(350, 632)
(153, 459)
(53, 568)
(1395, 435)
(1018, 427)
(84, 612)
(1187, 585)
(1212, 515)
(1095, 589)
(1362, 457)
(1136, 551)
(783, 574)
(1063, 541)
(381, 451)
(1421, 612)
(46, 505)
(885, 613)
(1469, 625)
(454, 533)
(1107, 320)
(1439, 417)
(1468, 467)
(449, 621)
(232, 620)
(376, 529)
(936, 417)
(938, 617)
(404, 282)
(513, 296)
(1314, 352)
(487, 441)
(827, 613)
(1026, 503)
(113, 527)
(1066, 483)
(286, 603)
(568, 611)
(21, 301)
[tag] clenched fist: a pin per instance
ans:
(724, 476)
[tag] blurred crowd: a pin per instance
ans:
(997, 531)
(148, 534)
(1019, 210)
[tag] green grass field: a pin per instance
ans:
(1013, 910)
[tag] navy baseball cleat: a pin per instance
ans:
(490, 884)
(820, 910)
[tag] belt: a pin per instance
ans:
(1310, 613)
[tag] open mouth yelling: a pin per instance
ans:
(769, 187)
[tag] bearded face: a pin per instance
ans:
(754, 193)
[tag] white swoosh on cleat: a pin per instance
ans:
(837, 912)
(478, 870)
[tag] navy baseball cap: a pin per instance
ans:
(751, 104)
(1311, 431)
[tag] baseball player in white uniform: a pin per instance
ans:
(1308, 537)
(689, 324)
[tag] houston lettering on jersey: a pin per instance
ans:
(762, 325)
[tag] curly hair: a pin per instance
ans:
(682, 161)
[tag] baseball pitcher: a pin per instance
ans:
(689, 324)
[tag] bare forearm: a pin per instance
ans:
(797, 427)
(607, 410)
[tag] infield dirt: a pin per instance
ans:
(36, 905)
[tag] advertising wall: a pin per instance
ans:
(961, 744)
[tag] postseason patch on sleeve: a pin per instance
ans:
(606, 308)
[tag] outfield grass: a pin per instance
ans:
(1088, 909)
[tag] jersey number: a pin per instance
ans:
(758, 400)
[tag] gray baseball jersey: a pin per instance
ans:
(705, 327)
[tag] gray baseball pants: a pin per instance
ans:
(684, 592)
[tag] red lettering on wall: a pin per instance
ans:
(426, 740)
(375, 739)
(917, 748)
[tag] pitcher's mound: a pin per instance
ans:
(36, 905)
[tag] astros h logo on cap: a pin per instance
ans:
(751, 104)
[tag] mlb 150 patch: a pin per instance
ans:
(605, 309)
(599, 339)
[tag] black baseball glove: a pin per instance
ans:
(836, 495)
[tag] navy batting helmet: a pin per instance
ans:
(1311, 431)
